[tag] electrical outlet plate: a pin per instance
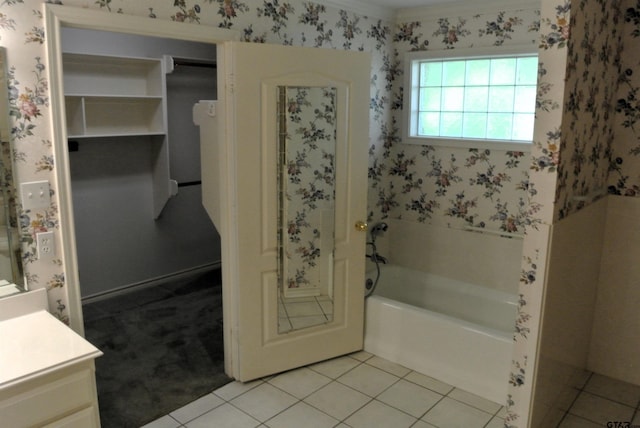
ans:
(45, 245)
(35, 195)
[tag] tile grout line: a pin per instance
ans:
(336, 380)
(580, 391)
(309, 404)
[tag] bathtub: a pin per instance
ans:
(456, 332)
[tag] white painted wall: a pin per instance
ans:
(615, 341)
(478, 258)
(568, 312)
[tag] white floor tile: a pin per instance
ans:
(303, 309)
(502, 413)
(337, 400)
(450, 413)
(225, 416)
(164, 422)
(600, 410)
(327, 306)
(388, 366)
(234, 389)
(284, 325)
(300, 382)
(614, 390)
(423, 424)
(377, 414)
(264, 401)
(335, 367)
(429, 382)
(410, 398)
(496, 422)
(475, 401)
(571, 421)
(304, 322)
(361, 355)
(197, 408)
(302, 415)
(368, 380)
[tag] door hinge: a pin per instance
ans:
(231, 83)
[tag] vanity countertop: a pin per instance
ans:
(38, 343)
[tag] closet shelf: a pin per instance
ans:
(113, 135)
(110, 96)
(115, 115)
(107, 97)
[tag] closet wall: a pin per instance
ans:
(119, 242)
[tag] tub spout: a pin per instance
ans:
(375, 257)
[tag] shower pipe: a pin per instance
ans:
(370, 285)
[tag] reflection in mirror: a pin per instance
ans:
(306, 205)
(11, 281)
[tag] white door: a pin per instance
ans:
(291, 212)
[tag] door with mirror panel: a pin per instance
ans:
(293, 164)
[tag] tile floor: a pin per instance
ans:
(363, 390)
(301, 312)
(603, 400)
(359, 390)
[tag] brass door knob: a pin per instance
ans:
(361, 226)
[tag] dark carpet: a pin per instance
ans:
(163, 348)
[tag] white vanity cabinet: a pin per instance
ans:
(47, 374)
(110, 97)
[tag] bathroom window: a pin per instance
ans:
(487, 99)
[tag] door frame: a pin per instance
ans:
(56, 17)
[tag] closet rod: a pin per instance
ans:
(193, 62)
(190, 183)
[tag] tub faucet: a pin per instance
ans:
(375, 257)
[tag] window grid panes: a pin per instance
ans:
(480, 98)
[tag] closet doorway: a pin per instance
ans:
(148, 254)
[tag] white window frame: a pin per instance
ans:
(411, 97)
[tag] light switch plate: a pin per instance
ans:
(35, 195)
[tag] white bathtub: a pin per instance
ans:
(459, 333)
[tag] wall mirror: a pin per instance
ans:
(306, 205)
(11, 277)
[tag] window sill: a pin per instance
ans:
(467, 143)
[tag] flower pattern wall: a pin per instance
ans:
(281, 22)
(307, 183)
(593, 70)
(624, 161)
(448, 187)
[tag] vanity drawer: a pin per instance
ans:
(85, 418)
(48, 398)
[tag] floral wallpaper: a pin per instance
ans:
(593, 70)
(307, 186)
(586, 134)
(624, 160)
(448, 186)
(294, 22)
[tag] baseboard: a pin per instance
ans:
(159, 280)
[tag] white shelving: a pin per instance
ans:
(111, 96)
(103, 116)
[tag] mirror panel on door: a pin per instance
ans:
(306, 205)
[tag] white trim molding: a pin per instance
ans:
(464, 7)
(56, 17)
(361, 7)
